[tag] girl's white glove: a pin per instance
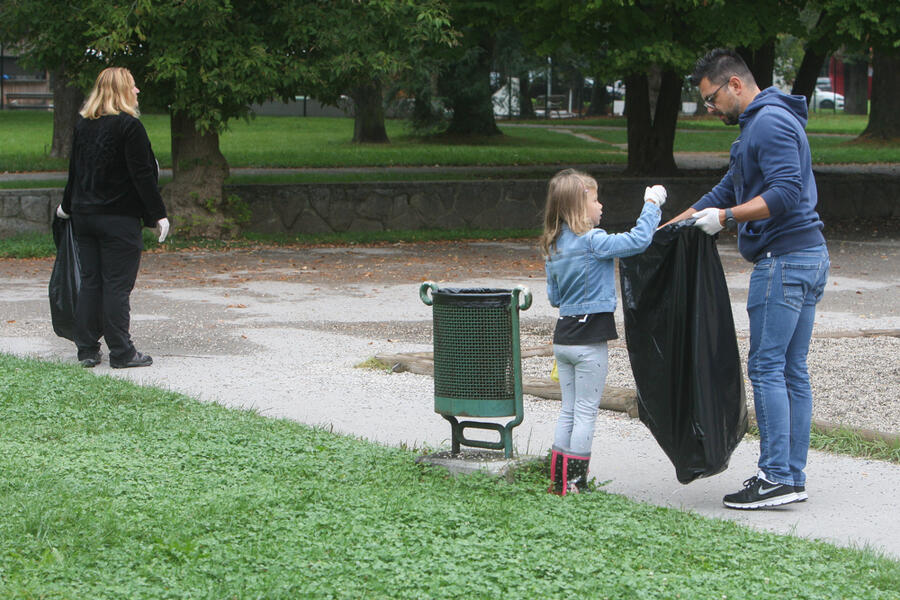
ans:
(656, 194)
(163, 226)
(708, 220)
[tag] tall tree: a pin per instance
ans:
(55, 35)
(67, 100)
(876, 25)
(760, 61)
(371, 45)
(856, 84)
(209, 60)
(884, 122)
(819, 35)
(464, 79)
(652, 45)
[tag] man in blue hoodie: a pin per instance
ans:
(769, 195)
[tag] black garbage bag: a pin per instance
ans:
(683, 350)
(65, 279)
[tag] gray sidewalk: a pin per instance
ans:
(271, 331)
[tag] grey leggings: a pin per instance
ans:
(582, 376)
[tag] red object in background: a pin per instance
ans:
(836, 73)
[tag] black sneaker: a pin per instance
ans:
(800, 490)
(138, 360)
(761, 493)
(91, 360)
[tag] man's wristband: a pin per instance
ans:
(730, 223)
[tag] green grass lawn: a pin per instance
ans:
(109, 490)
(826, 148)
(318, 142)
(326, 142)
(820, 122)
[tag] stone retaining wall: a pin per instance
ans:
(488, 204)
(24, 211)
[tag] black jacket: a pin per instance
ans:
(112, 170)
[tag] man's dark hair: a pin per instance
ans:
(718, 65)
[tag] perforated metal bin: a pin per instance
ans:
(477, 359)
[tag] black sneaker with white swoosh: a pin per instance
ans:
(758, 492)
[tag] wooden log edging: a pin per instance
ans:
(615, 398)
(422, 363)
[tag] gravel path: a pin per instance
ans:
(855, 380)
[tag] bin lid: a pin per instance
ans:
(472, 297)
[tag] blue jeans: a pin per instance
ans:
(582, 377)
(781, 303)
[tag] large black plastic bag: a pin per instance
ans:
(683, 350)
(65, 280)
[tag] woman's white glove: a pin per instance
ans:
(163, 226)
(656, 194)
(61, 213)
(708, 220)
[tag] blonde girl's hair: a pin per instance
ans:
(566, 203)
(113, 93)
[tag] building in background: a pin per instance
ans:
(20, 87)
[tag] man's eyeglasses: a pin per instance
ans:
(710, 101)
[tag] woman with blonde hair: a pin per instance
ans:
(112, 188)
(580, 282)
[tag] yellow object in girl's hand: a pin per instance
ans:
(554, 372)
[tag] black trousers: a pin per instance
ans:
(109, 252)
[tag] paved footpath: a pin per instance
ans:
(280, 330)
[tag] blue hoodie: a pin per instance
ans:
(771, 158)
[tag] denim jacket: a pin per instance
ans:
(580, 276)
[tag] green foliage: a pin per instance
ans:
(374, 364)
(385, 41)
(110, 490)
(237, 210)
(847, 441)
(36, 245)
(54, 35)
(27, 245)
(867, 22)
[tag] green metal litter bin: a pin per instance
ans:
(477, 359)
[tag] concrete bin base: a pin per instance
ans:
(467, 462)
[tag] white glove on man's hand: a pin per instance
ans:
(708, 220)
(61, 213)
(656, 194)
(163, 226)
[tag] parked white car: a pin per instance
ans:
(823, 100)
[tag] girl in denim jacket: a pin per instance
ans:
(580, 282)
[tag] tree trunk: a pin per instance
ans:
(884, 119)
(195, 197)
(856, 86)
(808, 72)
(813, 58)
(368, 122)
(600, 99)
(761, 62)
(651, 135)
(67, 101)
(526, 108)
(468, 86)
